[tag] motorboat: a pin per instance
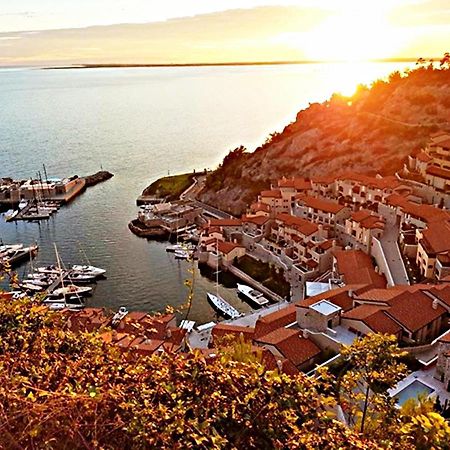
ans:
(78, 277)
(183, 254)
(19, 254)
(11, 214)
(31, 287)
(70, 290)
(254, 297)
(23, 204)
(91, 270)
(118, 316)
(52, 269)
(72, 303)
(222, 306)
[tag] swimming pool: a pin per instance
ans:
(413, 390)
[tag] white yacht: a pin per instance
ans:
(70, 290)
(222, 306)
(254, 297)
(88, 270)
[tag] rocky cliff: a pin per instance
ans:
(371, 132)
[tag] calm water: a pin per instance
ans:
(141, 124)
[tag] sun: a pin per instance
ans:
(352, 35)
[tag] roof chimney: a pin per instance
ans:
(435, 304)
(351, 294)
(305, 334)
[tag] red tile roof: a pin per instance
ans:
(422, 156)
(339, 297)
(439, 172)
(271, 194)
(227, 247)
(234, 331)
(303, 226)
(356, 268)
(367, 219)
(275, 320)
(299, 184)
(414, 310)
(257, 220)
(436, 237)
(255, 207)
(319, 204)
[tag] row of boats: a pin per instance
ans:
(13, 254)
(61, 288)
(32, 210)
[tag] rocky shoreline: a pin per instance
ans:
(140, 230)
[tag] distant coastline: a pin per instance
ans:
(219, 64)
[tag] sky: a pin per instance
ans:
(195, 31)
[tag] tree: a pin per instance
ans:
(373, 366)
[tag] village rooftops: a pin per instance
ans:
(367, 220)
(382, 183)
(257, 220)
(227, 247)
(319, 204)
(304, 226)
(258, 206)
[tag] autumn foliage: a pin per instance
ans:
(65, 390)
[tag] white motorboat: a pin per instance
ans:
(183, 254)
(91, 270)
(10, 247)
(52, 269)
(118, 316)
(10, 214)
(73, 303)
(77, 277)
(71, 290)
(222, 306)
(254, 297)
(29, 286)
(23, 204)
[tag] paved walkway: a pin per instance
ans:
(393, 256)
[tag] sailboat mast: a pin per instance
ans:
(58, 261)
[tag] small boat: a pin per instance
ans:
(118, 316)
(91, 270)
(222, 306)
(77, 277)
(29, 286)
(14, 257)
(45, 282)
(52, 269)
(254, 297)
(72, 303)
(183, 254)
(70, 290)
(23, 204)
(10, 214)
(8, 247)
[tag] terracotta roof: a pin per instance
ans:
(303, 226)
(291, 345)
(257, 220)
(367, 219)
(299, 184)
(255, 207)
(382, 183)
(414, 310)
(436, 237)
(438, 172)
(225, 222)
(319, 204)
(444, 143)
(271, 194)
(223, 329)
(427, 213)
(380, 295)
(275, 320)
(380, 322)
(356, 268)
(227, 247)
(441, 292)
(361, 312)
(323, 180)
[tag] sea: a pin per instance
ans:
(142, 124)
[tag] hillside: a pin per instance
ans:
(371, 132)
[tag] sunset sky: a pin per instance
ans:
(195, 31)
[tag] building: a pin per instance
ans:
(360, 228)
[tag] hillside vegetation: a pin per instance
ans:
(370, 132)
